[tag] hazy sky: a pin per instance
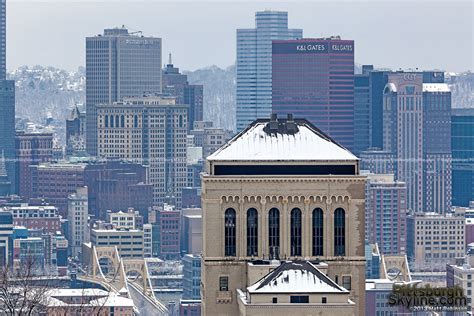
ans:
(405, 34)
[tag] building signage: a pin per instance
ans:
(314, 47)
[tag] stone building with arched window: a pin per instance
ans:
(282, 191)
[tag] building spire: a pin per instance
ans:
(169, 61)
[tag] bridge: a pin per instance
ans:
(127, 277)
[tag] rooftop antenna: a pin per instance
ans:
(170, 62)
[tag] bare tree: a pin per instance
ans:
(21, 291)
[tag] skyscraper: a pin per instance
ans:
(416, 116)
(362, 110)
(118, 64)
(149, 130)
(176, 84)
(7, 105)
(282, 189)
(254, 64)
(314, 79)
(3, 39)
(462, 142)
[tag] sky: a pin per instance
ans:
(424, 34)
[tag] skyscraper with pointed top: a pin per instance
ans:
(7, 105)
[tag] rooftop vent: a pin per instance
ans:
(281, 126)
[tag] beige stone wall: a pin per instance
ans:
(284, 193)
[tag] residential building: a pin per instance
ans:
(192, 277)
(76, 132)
(78, 215)
(129, 242)
(259, 204)
(119, 64)
(152, 131)
(434, 240)
(385, 213)
(31, 149)
(462, 144)
(314, 79)
(254, 64)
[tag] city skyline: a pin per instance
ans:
(414, 30)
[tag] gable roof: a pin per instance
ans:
(304, 142)
(296, 277)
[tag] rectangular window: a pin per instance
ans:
(275, 300)
(223, 283)
(299, 299)
(346, 282)
(324, 300)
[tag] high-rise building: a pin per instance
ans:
(314, 79)
(118, 64)
(282, 189)
(76, 132)
(78, 214)
(31, 149)
(152, 131)
(7, 106)
(209, 138)
(415, 117)
(385, 213)
(168, 221)
(254, 64)
(3, 39)
(44, 218)
(5, 184)
(362, 139)
(462, 144)
(176, 85)
(434, 240)
(129, 242)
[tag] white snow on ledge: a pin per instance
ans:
(305, 145)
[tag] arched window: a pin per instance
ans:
(117, 121)
(274, 233)
(122, 121)
(106, 121)
(318, 232)
(111, 121)
(295, 229)
(230, 232)
(252, 232)
(339, 232)
(135, 121)
(180, 121)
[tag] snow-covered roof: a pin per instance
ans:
(435, 87)
(260, 143)
(296, 277)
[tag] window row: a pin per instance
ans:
(317, 232)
